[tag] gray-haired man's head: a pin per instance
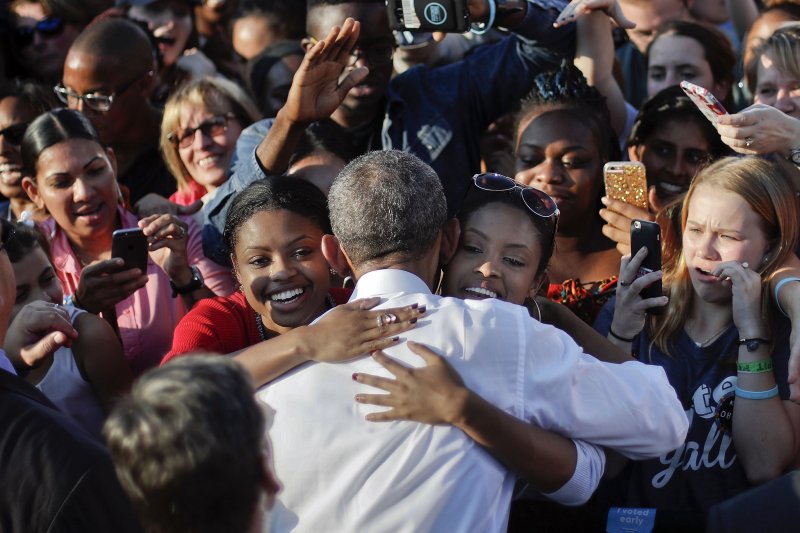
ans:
(387, 204)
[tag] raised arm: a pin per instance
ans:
(785, 287)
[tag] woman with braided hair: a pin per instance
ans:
(563, 139)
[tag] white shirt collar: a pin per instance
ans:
(389, 282)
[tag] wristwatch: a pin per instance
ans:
(794, 156)
(195, 283)
(753, 344)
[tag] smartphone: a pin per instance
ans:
(646, 234)
(706, 102)
(626, 181)
(451, 16)
(131, 245)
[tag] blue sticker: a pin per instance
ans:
(630, 520)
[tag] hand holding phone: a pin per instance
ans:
(626, 181)
(451, 16)
(131, 246)
(706, 102)
(646, 234)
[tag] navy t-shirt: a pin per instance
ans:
(705, 470)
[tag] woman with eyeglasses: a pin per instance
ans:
(202, 121)
(42, 32)
(74, 177)
(20, 103)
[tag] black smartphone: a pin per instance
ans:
(646, 234)
(451, 16)
(131, 245)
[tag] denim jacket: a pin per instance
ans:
(438, 114)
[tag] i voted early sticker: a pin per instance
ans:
(630, 520)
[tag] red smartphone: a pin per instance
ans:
(646, 234)
(131, 245)
(706, 102)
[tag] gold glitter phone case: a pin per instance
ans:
(626, 181)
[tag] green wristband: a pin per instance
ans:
(755, 367)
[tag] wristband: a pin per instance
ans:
(757, 395)
(71, 299)
(780, 284)
(480, 28)
(755, 367)
(618, 337)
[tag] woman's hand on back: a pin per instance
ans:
(352, 329)
(103, 284)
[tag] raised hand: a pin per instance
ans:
(630, 308)
(760, 129)
(579, 8)
(39, 329)
(745, 287)
(323, 80)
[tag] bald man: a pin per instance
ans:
(109, 74)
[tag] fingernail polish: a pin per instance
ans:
(395, 339)
(355, 376)
(413, 320)
(422, 309)
(359, 399)
(414, 306)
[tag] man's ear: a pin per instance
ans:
(451, 232)
(306, 44)
(32, 190)
(335, 256)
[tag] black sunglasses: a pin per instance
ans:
(212, 127)
(47, 27)
(539, 202)
(14, 133)
(6, 232)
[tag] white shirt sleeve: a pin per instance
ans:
(628, 407)
(591, 463)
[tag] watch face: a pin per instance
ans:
(795, 157)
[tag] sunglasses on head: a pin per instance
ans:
(47, 27)
(14, 133)
(538, 202)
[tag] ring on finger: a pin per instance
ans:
(624, 283)
(386, 319)
(748, 141)
(181, 232)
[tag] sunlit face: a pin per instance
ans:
(764, 26)
(498, 255)
(13, 111)
(170, 21)
(672, 155)
(75, 181)
(558, 154)
(721, 226)
(711, 11)
(36, 281)
(780, 90)
(375, 35)
(251, 35)
(675, 58)
(208, 157)
(648, 16)
(279, 262)
(45, 55)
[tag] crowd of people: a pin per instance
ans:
(382, 284)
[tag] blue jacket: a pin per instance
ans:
(437, 114)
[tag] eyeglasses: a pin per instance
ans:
(97, 102)
(47, 27)
(7, 229)
(537, 201)
(14, 133)
(376, 55)
(211, 127)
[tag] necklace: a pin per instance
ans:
(712, 338)
(262, 331)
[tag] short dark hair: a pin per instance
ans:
(25, 240)
(188, 445)
(275, 194)
(323, 136)
(35, 95)
(51, 128)
(286, 18)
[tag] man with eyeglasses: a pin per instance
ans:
(437, 114)
(55, 476)
(109, 75)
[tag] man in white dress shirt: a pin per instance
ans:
(342, 473)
